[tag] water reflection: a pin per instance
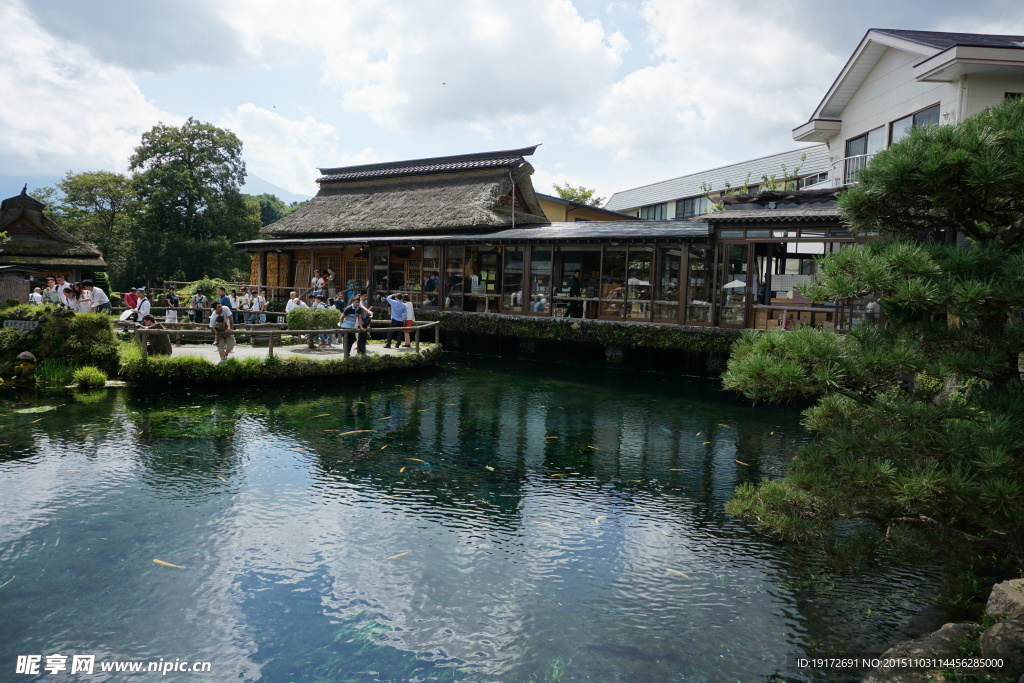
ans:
(467, 524)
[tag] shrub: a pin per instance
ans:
(209, 286)
(313, 318)
(54, 371)
(89, 377)
(78, 338)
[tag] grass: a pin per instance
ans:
(89, 377)
(55, 371)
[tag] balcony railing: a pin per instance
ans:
(845, 171)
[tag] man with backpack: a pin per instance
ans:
(198, 304)
(224, 330)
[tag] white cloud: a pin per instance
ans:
(287, 152)
(62, 108)
(739, 78)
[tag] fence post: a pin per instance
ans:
(417, 340)
(141, 334)
(345, 344)
(270, 343)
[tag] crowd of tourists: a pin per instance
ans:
(81, 297)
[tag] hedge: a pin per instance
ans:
(313, 318)
(79, 338)
(168, 370)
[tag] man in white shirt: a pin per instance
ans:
(294, 302)
(62, 288)
(256, 306)
(99, 298)
(36, 297)
(143, 307)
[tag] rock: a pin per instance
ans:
(1006, 597)
(1005, 641)
(946, 642)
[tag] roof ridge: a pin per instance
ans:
(431, 161)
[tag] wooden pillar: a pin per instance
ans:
(261, 270)
(344, 343)
(417, 340)
(270, 343)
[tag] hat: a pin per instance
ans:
(141, 289)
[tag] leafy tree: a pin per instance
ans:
(580, 194)
(272, 208)
(189, 180)
(919, 419)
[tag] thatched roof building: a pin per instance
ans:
(441, 195)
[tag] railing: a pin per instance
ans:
(845, 170)
(179, 329)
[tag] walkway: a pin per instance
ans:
(209, 351)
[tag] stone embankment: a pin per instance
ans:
(1003, 640)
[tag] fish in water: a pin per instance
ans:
(631, 653)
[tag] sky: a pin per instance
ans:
(620, 94)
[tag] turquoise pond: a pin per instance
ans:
(488, 521)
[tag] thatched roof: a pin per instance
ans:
(438, 195)
(35, 239)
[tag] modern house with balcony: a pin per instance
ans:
(897, 79)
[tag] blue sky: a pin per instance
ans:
(620, 93)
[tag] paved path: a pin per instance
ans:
(336, 352)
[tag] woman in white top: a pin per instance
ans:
(410, 317)
(316, 283)
(84, 300)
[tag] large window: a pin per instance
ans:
(859, 151)
(698, 283)
(540, 279)
(428, 294)
(692, 206)
(380, 273)
(512, 279)
(483, 278)
(733, 285)
(454, 277)
(925, 117)
(666, 291)
(613, 282)
(658, 212)
(638, 282)
(587, 260)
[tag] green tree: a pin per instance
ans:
(580, 194)
(272, 208)
(100, 207)
(918, 419)
(188, 179)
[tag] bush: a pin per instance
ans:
(89, 377)
(209, 286)
(313, 318)
(78, 338)
(54, 371)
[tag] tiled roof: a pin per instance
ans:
(462, 162)
(943, 41)
(796, 213)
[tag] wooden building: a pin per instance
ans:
(466, 233)
(37, 248)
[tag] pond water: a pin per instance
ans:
(488, 521)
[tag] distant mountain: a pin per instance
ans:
(256, 185)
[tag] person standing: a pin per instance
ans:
(224, 331)
(332, 283)
(63, 287)
(100, 300)
(172, 302)
(36, 297)
(236, 312)
(316, 283)
(198, 304)
(410, 317)
(144, 306)
(256, 308)
(51, 297)
(398, 316)
(244, 301)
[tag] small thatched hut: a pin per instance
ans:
(36, 247)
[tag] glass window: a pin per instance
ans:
(587, 260)
(811, 180)
(638, 282)
(734, 284)
(429, 290)
(758, 233)
(380, 274)
(613, 282)
(484, 279)
(512, 279)
(925, 117)
(859, 151)
(730, 233)
(656, 212)
(698, 283)
(454, 277)
(692, 206)
(666, 291)
(540, 279)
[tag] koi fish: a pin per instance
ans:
(562, 474)
(722, 425)
(324, 415)
(423, 411)
(355, 431)
(488, 467)
(415, 459)
(594, 447)
(679, 469)
(698, 434)
(676, 571)
(168, 564)
(550, 437)
(598, 519)
(387, 418)
(395, 557)
(384, 446)
(642, 508)
(705, 443)
(401, 470)
(743, 463)
(394, 495)
(222, 479)
(331, 430)
(544, 524)
(34, 421)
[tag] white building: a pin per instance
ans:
(897, 79)
(685, 197)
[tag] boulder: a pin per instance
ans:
(1006, 597)
(946, 642)
(1005, 641)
